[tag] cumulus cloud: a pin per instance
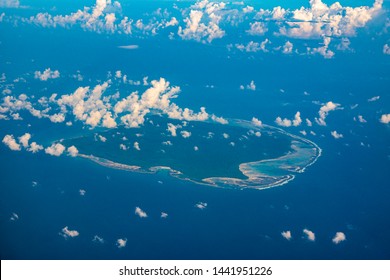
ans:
(68, 233)
(164, 215)
(256, 122)
(287, 48)
(220, 120)
(202, 22)
(172, 129)
(139, 212)
(55, 149)
(324, 111)
(201, 205)
(47, 74)
(339, 237)
(72, 151)
(121, 242)
(82, 192)
(185, 134)
(24, 139)
(385, 118)
(10, 142)
(287, 123)
(253, 47)
(257, 28)
(286, 234)
(34, 147)
(336, 135)
(309, 234)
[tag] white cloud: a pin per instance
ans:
(196, 148)
(121, 242)
(102, 138)
(140, 212)
(309, 234)
(129, 47)
(339, 237)
(220, 120)
(256, 122)
(24, 139)
(98, 239)
(336, 135)
(287, 48)
(386, 49)
(68, 233)
(202, 22)
(324, 49)
(47, 74)
(172, 129)
(254, 46)
(251, 86)
(136, 146)
(257, 28)
(82, 192)
(374, 98)
(72, 151)
(324, 111)
(55, 149)
(14, 217)
(10, 142)
(57, 118)
(287, 123)
(34, 147)
(164, 215)
(225, 135)
(385, 118)
(9, 3)
(185, 134)
(201, 205)
(286, 234)
(123, 147)
(361, 119)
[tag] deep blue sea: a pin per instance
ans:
(347, 190)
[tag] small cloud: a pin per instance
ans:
(121, 242)
(140, 212)
(10, 142)
(14, 217)
(372, 99)
(196, 148)
(136, 146)
(250, 86)
(164, 215)
(339, 237)
(68, 233)
(309, 234)
(185, 134)
(324, 111)
(82, 192)
(256, 122)
(385, 118)
(98, 239)
(72, 151)
(336, 135)
(201, 205)
(102, 138)
(34, 147)
(129, 47)
(225, 135)
(55, 149)
(287, 123)
(47, 74)
(286, 234)
(24, 139)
